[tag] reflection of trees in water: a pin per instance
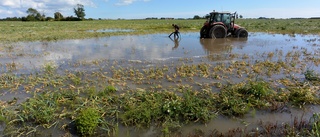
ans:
(215, 48)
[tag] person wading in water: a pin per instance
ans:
(176, 31)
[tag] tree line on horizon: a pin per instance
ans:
(35, 15)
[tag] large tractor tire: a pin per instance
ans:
(242, 33)
(204, 32)
(218, 31)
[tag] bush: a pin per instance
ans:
(87, 121)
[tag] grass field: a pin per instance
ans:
(48, 31)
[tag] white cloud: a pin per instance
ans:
(128, 2)
(10, 3)
(125, 2)
(48, 7)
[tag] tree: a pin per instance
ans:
(241, 16)
(41, 17)
(32, 12)
(196, 17)
(79, 11)
(49, 19)
(34, 15)
(58, 16)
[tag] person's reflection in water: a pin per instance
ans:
(176, 43)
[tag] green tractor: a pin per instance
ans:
(221, 25)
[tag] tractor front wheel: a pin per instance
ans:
(218, 31)
(204, 32)
(242, 33)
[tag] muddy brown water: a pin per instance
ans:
(154, 49)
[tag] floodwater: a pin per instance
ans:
(112, 30)
(32, 56)
(29, 57)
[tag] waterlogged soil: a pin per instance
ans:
(149, 51)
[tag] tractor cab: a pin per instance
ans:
(222, 18)
(220, 25)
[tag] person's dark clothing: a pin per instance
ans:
(176, 30)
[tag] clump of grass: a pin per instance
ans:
(143, 108)
(87, 121)
(302, 95)
(197, 106)
(49, 67)
(110, 89)
(315, 123)
(169, 127)
(232, 104)
(236, 100)
(311, 75)
(2, 118)
(259, 89)
(41, 109)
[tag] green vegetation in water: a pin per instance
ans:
(143, 108)
(87, 121)
(99, 110)
(315, 122)
(41, 109)
(241, 98)
(311, 75)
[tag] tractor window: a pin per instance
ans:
(226, 19)
(217, 18)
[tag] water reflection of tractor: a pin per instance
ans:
(220, 46)
(221, 25)
(215, 46)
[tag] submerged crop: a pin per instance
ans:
(97, 107)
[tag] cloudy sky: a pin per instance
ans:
(139, 9)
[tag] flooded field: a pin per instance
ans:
(157, 63)
(153, 49)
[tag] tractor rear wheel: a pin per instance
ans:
(218, 31)
(204, 32)
(242, 33)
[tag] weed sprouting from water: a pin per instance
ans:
(49, 67)
(107, 91)
(87, 121)
(315, 123)
(311, 75)
(197, 106)
(40, 110)
(143, 108)
(238, 99)
(303, 95)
